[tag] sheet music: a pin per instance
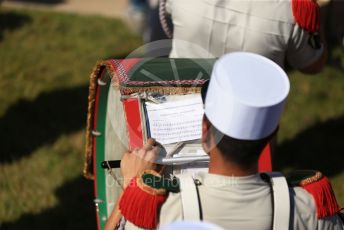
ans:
(175, 121)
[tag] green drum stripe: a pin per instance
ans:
(164, 69)
(100, 149)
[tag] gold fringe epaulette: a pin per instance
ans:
(143, 198)
(303, 177)
(318, 185)
(307, 14)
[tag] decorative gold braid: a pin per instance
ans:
(318, 175)
(146, 188)
(88, 172)
(160, 89)
(97, 70)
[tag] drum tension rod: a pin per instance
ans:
(96, 133)
(97, 201)
(100, 82)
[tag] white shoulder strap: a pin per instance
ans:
(281, 201)
(188, 192)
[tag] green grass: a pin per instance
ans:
(311, 131)
(50, 51)
(45, 61)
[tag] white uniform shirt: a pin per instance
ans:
(245, 203)
(211, 28)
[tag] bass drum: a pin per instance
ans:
(115, 119)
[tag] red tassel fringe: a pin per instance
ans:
(324, 197)
(140, 207)
(307, 14)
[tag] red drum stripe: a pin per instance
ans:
(133, 119)
(264, 162)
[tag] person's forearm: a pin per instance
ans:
(132, 163)
(115, 217)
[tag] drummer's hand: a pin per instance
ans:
(138, 160)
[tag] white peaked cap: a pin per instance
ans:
(246, 95)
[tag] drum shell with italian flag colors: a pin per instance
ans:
(115, 115)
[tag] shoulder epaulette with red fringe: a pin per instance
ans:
(142, 199)
(306, 14)
(319, 187)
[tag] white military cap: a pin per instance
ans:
(246, 95)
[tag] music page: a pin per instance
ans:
(175, 121)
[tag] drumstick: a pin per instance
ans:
(111, 164)
(117, 163)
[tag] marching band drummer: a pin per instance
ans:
(287, 32)
(242, 113)
(283, 31)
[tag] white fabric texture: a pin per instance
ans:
(245, 203)
(189, 198)
(211, 28)
(281, 201)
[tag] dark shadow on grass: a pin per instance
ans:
(318, 147)
(28, 125)
(75, 210)
(11, 21)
